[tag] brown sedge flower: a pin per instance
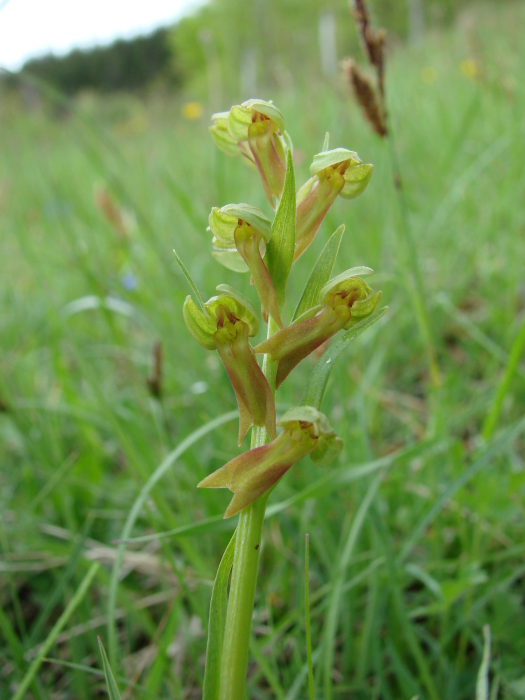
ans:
(345, 300)
(305, 431)
(243, 229)
(338, 172)
(225, 325)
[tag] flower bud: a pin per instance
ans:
(256, 130)
(336, 172)
(305, 431)
(344, 301)
(225, 325)
(244, 229)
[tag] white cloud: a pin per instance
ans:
(34, 27)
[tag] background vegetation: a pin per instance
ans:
(94, 194)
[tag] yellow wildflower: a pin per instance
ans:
(191, 110)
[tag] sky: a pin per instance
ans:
(31, 28)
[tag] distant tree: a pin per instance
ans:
(124, 65)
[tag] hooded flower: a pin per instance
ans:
(345, 300)
(240, 232)
(337, 172)
(305, 431)
(256, 130)
(225, 325)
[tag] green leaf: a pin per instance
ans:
(314, 392)
(320, 273)
(280, 249)
(217, 623)
(111, 683)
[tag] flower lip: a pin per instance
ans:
(327, 159)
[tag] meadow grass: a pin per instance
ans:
(416, 533)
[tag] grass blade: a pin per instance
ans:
(504, 385)
(217, 622)
(159, 472)
(59, 625)
(189, 279)
(113, 690)
(482, 683)
(483, 461)
(311, 686)
(332, 616)
(320, 273)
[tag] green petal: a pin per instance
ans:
(345, 281)
(224, 141)
(223, 225)
(362, 309)
(356, 180)
(307, 414)
(268, 109)
(239, 119)
(326, 159)
(231, 259)
(201, 327)
(251, 215)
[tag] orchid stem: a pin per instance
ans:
(244, 572)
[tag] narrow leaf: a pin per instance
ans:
(189, 278)
(320, 273)
(314, 392)
(311, 686)
(217, 623)
(482, 684)
(280, 249)
(111, 683)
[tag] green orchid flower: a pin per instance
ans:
(345, 300)
(255, 129)
(305, 431)
(334, 173)
(245, 230)
(225, 325)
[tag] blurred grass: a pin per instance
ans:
(438, 554)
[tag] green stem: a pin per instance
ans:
(244, 573)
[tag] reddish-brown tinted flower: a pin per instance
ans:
(344, 301)
(225, 325)
(305, 431)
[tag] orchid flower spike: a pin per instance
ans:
(256, 130)
(225, 325)
(305, 431)
(345, 300)
(240, 232)
(337, 172)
